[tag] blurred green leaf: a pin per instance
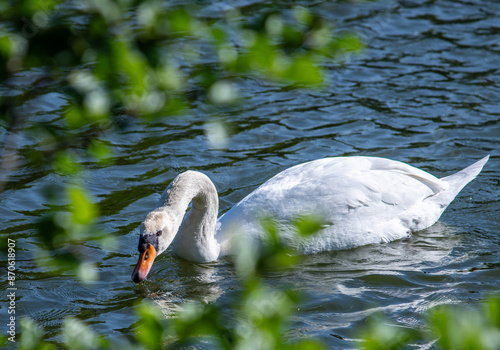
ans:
(83, 211)
(34, 6)
(52, 231)
(181, 22)
(274, 252)
(465, 328)
(492, 310)
(152, 330)
(132, 68)
(245, 256)
(309, 225)
(75, 117)
(87, 272)
(223, 93)
(454, 327)
(66, 163)
(304, 71)
(31, 336)
(78, 336)
(100, 151)
(5, 45)
(275, 26)
(217, 134)
(199, 319)
(261, 54)
(380, 334)
(302, 15)
(348, 42)
(306, 344)
(219, 35)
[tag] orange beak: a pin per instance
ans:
(144, 264)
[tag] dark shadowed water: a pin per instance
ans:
(426, 91)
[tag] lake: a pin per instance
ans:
(426, 91)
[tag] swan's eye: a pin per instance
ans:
(159, 233)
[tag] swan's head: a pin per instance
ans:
(157, 232)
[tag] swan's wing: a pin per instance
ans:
(363, 200)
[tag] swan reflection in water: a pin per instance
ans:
(185, 282)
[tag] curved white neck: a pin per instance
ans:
(195, 236)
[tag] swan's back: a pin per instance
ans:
(363, 200)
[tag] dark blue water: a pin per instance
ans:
(426, 91)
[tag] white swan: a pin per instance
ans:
(363, 200)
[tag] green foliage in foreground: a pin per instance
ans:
(259, 317)
(121, 62)
(448, 327)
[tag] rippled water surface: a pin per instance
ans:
(426, 91)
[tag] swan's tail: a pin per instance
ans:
(458, 181)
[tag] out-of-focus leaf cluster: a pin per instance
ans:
(447, 327)
(118, 60)
(466, 327)
(257, 315)
(115, 61)
(64, 233)
(147, 57)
